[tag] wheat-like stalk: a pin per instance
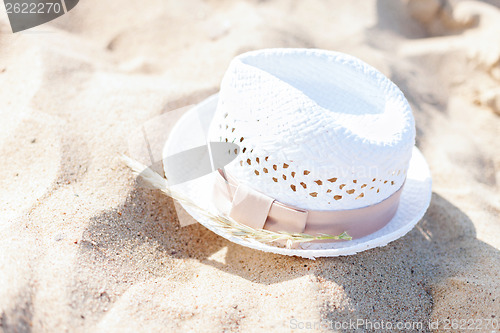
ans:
(225, 222)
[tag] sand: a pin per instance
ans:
(83, 247)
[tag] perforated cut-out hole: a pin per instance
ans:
(303, 185)
(293, 174)
(241, 163)
(294, 188)
(354, 181)
(275, 179)
(319, 182)
(236, 151)
(244, 149)
(241, 140)
(227, 126)
(249, 161)
(385, 182)
(232, 130)
(392, 182)
(313, 194)
(306, 172)
(342, 186)
(226, 139)
(363, 186)
(285, 165)
(257, 159)
(284, 177)
(378, 190)
(332, 180)
(374, 179)
(371, 188)
(256, 172)
(328, 191)
(267, 157)
(275, 167)
(265, 170)
(350, 191)
(337, 197)
(360, 196)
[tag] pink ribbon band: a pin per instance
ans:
(259, 211)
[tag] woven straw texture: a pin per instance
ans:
(415, 197)
(316, 129)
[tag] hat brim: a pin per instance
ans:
(415, 197)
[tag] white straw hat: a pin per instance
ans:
(318, 132)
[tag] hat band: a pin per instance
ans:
(259, 211)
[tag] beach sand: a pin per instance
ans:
(84, 247)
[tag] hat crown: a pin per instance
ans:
(316, 129)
